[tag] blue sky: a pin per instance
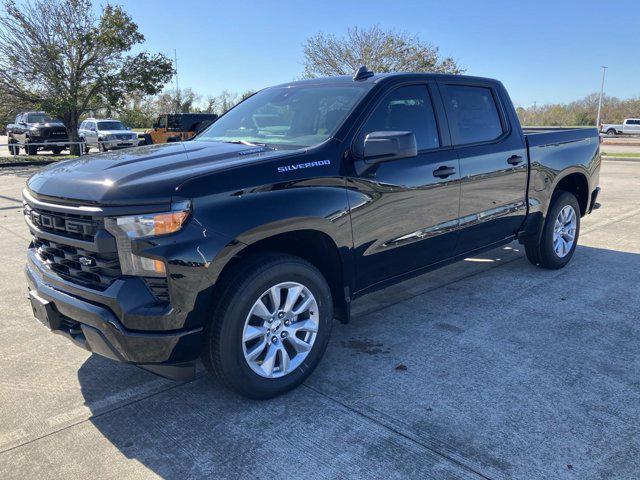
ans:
(544, 51)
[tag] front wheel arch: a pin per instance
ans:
(313, 246)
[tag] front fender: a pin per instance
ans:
(224, 224)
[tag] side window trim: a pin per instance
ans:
(432, 92)
(504, 120)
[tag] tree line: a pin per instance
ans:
(581, 112)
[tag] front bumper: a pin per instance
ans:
(114, 144)
(91, 324)
(50, 140)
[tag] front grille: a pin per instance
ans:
(55, 132)
(81, 227)
(95, 270)
(123, 136)
(90, 269)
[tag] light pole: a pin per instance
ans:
(604, 70)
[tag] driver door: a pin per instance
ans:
(404, 212)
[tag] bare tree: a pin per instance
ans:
(58, 55)
(380, 50)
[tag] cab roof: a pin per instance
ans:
(378, 77)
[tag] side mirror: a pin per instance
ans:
(386, 146)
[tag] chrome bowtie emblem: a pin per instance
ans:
(86, 261)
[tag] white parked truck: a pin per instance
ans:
(630, 126)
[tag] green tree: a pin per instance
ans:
(59, 56)
(380, 50)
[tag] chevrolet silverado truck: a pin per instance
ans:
(242, 245)
(36, 131)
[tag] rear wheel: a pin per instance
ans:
(611, 132)
(559, 234)
(30, 149)
(271, 326)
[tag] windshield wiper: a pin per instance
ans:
(249, 144)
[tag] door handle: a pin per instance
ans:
(514, 160)
(444, 172)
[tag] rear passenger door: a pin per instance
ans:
(493, 162)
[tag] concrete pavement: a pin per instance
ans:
(489, 368)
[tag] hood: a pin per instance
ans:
(47, 124)
(118, 132)
(142, 175)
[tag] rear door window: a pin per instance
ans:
(473, 114)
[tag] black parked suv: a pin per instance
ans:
(243, 244)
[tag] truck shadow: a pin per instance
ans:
(453, 373)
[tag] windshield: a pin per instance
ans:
(287, 117)
(111, 125)
(39, 118)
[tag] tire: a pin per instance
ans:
(545, 254)
(86, 146)
(227, 348)
(612, 132)
(30, 149)
(101, 146)
(56, 150)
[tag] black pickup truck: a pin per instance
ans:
(243, 244)
(36, 131)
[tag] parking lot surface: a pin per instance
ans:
(488, 368)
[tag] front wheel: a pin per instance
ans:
(559, 234)
(13, 148)
(271, 326)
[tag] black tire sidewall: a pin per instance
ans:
(548, 254)
(232, 362)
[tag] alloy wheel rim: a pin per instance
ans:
(564, 231)
(280, 329)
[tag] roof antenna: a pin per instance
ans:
(362, 73)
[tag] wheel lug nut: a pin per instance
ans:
(283, 334)
(274, 339)
(281, 315)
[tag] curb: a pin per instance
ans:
(621, 159)
(26, 164)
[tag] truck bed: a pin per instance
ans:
(540, 141)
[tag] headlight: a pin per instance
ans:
(35, 131)
(126, 229)
(109, 136)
